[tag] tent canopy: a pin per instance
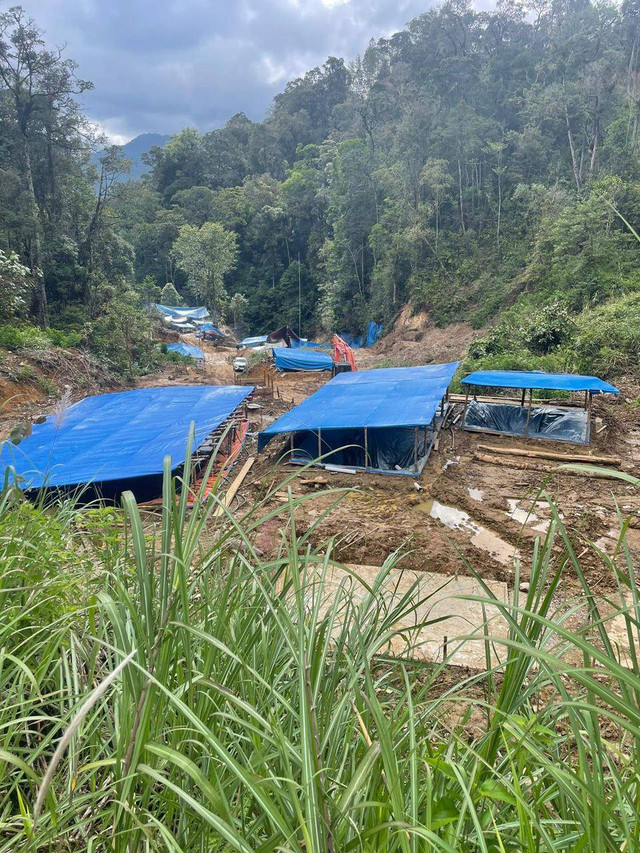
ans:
(119, 436)
(191, 313)
(255, 341)
(300, 359)
(525, 379)
(388, 397)
(186, 350)
(209, 327)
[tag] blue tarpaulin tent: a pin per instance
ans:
(374, 330)
(382, 420)
(189, 313)
(187, 350)
(209, 327)
(292, 360)
(302, 344)
(114, 442)
(553, 423)
(256, 341)
(539, 381)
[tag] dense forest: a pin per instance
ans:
(483, 166)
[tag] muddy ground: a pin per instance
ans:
(461, 514)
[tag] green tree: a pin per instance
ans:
(206, 255)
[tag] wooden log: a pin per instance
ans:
(550, 454)
(233, 488)
(541, 468)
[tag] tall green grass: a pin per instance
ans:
(246, 716)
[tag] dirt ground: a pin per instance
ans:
(462, 513)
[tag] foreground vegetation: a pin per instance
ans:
(165, 688)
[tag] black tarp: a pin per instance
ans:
(388, 448)
(546, 422)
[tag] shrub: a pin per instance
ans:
(48, 386)
(24, 373)
(608, 337)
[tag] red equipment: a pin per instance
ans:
(343, 352)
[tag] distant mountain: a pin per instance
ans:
(134, 149)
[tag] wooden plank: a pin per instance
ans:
(550, 454)
(233, 488)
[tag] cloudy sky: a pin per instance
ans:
(159, 65)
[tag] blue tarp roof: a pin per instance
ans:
(537, 379)
(119, 436)
(192, 313)
(209, 327)
(304, 344)
(186, 349)
(300, 359)
(390, 397)
(256, 341)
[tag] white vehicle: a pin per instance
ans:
(239, 364)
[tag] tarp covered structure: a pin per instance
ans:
(382, 420)
(199, 313)
(187, 350)
(374, 330)
(525, 379)
(293, 360)
(255, 341)
(211, 329)
(114, 442)
(550, 422)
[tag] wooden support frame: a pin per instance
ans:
(526, 426)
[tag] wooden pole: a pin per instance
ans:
(366, 448)
(466, 403)
(522, 400)
(526, 426)
(550, 454)
(319, 443)
(415, 448)
(588, 402)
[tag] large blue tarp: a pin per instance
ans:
(525, 379)
(186, 350)
(302, 344)
(119, 436)
(374, 330)
(209, 327)
(388, 397)
(192, 313)
(256, 341)
(292, 360)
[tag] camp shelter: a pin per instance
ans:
(187, 350)
(522, 416)
(104, 445)
(255, 341)
(293, 360)
(380, 420)
(198, 313)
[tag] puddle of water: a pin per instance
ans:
(476, 494)
(485, 540)
(522, 516)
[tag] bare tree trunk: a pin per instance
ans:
(574, 162)
(460, 197)
(35, 247)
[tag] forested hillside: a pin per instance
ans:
(472, 163)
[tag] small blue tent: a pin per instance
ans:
(374, 330)
(255, 341)
(199, 313)
(107, 444)
(293, 360)
(187, 350)
(384, 420)
(553, 423)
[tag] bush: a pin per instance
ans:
(23, 373)
(27, 337)
(608, 338)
